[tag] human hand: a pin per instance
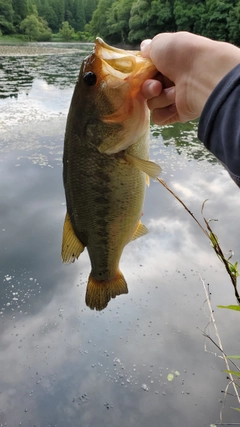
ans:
(190, 67)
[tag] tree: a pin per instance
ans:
(188, 15)
(117, 21)
(69, 12)
(127, 21)
(79, 15)
(233, 24)
(160, 17)
(59, 8)
(20, 7)
(35, 28)
(32, 7)
(29, 26)
(137, 22)
(137, 31)
(66, 32)
(215, 20)
(6, 17)
(97, 26)
(46, 9)
(89, 7)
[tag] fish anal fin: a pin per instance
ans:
(141, 230)
(99, 293)
(72, 247)
(150, 168)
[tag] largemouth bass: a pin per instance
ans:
(106, 166)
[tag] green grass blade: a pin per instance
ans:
(230, 307)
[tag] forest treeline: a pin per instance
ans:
(120, 21)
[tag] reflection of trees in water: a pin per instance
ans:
(184, 137)
(14, 75)
(18, 73)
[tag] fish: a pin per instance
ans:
(106, 165)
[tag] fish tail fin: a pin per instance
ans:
(99, 293)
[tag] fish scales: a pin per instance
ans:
(101, 208)
(104, 187)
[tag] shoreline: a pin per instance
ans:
(35, 49)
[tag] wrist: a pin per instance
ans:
(216, 60)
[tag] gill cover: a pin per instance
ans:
(116, 76)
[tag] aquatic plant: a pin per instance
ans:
(234, 273)
(232, 269)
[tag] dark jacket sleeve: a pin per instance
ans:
(219, 124)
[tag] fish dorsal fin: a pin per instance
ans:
(99, 293)
(150, 168)
(71, 245)
(141, 230)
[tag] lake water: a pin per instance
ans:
(63, 364)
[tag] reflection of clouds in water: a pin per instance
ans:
(176, 146)
(74, 350)
(66, 364)
(196, 188)
(43, 102)
(41, 144)
(59, 352)
(68, 354)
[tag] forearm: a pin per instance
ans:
(219, 125)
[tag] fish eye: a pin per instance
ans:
(90, 78)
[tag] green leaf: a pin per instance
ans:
(230, 307)
(213, 238)
(170, 377)
(233, 357)
(233, 268)
(236, 373)
(236, 409)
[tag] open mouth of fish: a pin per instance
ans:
(122, 64)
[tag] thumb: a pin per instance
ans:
(145, 48)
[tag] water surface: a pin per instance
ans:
(63, 364)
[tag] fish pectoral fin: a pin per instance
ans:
(147, 180)
(141, 230)
(72, 247)
(150, 168)
(99, 293)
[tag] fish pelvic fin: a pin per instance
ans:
(99, 293)
(72, 247)
(150, 168)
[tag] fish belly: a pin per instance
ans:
(105, 198)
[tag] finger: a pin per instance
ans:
(164, 80)
(165, 99)
(167, 115)
(145, 48)
(151, 88)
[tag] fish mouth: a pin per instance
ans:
(122, 63)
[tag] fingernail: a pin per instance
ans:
(154, 87)
(144, 44)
